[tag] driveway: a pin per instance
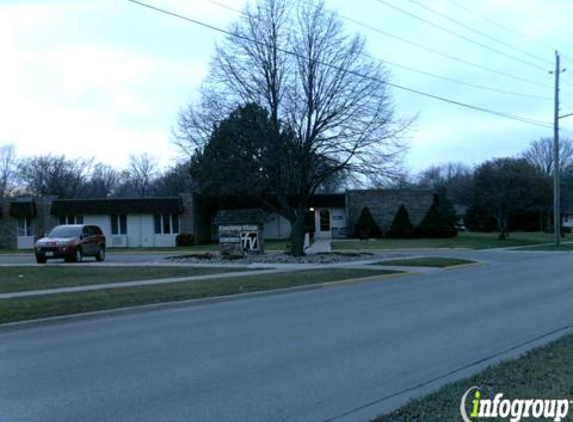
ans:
(344, 353)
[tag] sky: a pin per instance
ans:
(107, 78)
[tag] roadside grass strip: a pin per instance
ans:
(28, 308)
(565, 247)
(469, 240)
(26, 278)
(544, 373)
(436, 262)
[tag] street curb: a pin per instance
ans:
(10, 326)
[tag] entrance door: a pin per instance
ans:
(323, 223)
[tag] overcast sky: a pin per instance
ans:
(106, 78)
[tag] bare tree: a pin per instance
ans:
(540, 155)
(328, 104)
(456, 179)
(8, 167)
(56, 175)
(103, 182)
(141, 171)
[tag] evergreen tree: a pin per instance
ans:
(366, 226)
(402, 227)
(436, 225)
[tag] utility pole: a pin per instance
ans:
(556, 178)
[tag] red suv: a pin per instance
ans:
(71, 242)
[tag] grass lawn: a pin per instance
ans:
(20, 309)
(564, 248)
(544, 373)
(14, 279)
(471, 240)
(426, 262)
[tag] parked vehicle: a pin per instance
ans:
(72, 242)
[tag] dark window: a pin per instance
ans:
(157, 221)
(71, 219)
(175, 223)
(114, 228)
(97, 231)
(166, 224)
(24, 226)
(118, 224)
(324, 220)
(123, 224)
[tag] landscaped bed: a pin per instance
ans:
(544, 373)
(275, 258)
(19, 309)
(436, 262)
(15, 279)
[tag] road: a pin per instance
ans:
(342, 353)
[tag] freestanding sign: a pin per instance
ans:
(236, 240)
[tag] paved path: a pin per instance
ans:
(338, 354)
(319, 246)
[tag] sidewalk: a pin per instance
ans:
(319, 246)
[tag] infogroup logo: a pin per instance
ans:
(514, 410)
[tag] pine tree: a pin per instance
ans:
(435, 225)
(366, 226)
(402, 227)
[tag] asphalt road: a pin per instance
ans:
(317, 355)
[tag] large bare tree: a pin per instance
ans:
(318, 85)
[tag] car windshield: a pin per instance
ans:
(65, 231)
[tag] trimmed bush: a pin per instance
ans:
(435, 225)
(184, 239)
(402, 227)
(366, 226)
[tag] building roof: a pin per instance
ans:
(109, 206)
(240, 217)
(337, 200)
(22, 208)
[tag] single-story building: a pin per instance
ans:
(156, 222)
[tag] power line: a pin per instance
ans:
(462, 37)
(499, 25)
(411, 69)
(412, 90)
(483, 34)
(456, 81)
(441, 53)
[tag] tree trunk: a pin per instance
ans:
(298, 231)
(503, 235)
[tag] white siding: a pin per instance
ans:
(276, 227)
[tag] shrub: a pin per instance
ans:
(435, 225)
(366, 225)
(402, 227)
(184, 239)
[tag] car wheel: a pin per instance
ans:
(100, 254)
(41, 259)
(78, 257)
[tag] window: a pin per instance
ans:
(166, 223)
(72, 219)
(118, 224)
(24, 226)
(324, 220)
